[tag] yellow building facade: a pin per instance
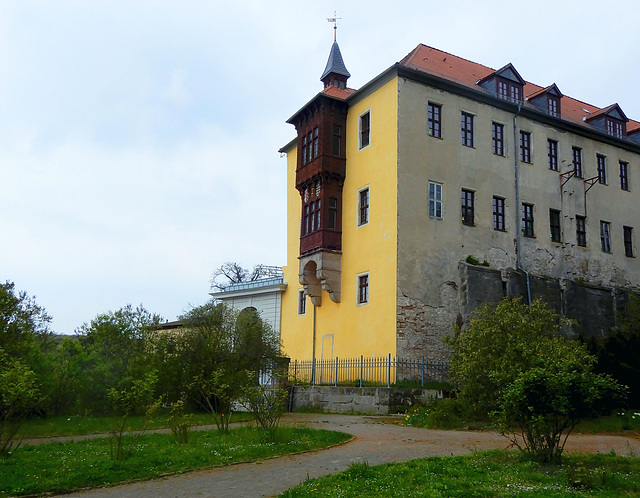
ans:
(396, 191)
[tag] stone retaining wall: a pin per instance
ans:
(367, 400)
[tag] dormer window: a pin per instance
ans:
(614, 127)
(508, 90)
(553, 106)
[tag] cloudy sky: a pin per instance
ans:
(139, 139)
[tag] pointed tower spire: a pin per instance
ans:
(335, 73)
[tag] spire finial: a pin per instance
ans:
(334, 20)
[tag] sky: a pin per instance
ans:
(139, 139)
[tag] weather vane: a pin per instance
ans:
(334, 20)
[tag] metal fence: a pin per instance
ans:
(364, 372)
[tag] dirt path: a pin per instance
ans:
(376, 441)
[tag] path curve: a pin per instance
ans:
(376, 441)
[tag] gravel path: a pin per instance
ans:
(376, 441)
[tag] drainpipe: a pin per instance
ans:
(516, 162)
(313, 348)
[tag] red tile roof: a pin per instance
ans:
(340, 93)
(454, 68)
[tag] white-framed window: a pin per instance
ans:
(363, 206)
(302, 302)
(364, 129)
(362, 289)
(435, 200)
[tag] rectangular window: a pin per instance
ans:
(615, 128)
(605, 236)
(527, 220)
(466, 129)
(363, 207)
(317, 220)
(602, 168)
(305, 221)
(577, 161)
(363, 288)
(304, 149)
(498, 214)
(434, 120)
(333, 213)
(365, 130)
(467, 205)
(552, 105)
(554, 225)
(525, 146)
(624, 175)
(628, 241)
(337, 132)
(581, 231)
(315, 142)
(309, 146)
(435, 200)
(302, 302)
(552, 154)
(497, 138)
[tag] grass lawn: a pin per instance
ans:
(494, 473)
(63, 467)
(76, 425)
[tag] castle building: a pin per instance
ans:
(442, 184)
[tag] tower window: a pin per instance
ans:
(337, 132)
(333, 213)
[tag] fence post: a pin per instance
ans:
(361, 367)
(422, 371)
(389, 371)
(313, 373)
(295, 371)
(336, 378)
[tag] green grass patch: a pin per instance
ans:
(623, 422)
(64, 467)
(79, 425)
(494, 473)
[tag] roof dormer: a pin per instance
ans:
(610, 120)
(335, 73)
(505, 83)
(547, 100)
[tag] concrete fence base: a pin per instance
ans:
(367, 400)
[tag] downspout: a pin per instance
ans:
(518, 207)
(313, 348)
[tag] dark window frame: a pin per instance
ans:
(498, 214)
(554, 225)
(466, 128)
(302, 302)
(497, 138)
(332, 221)
(363, 206)
(363, 289)
(525, 147)
(434, 120)
(614, 127)
(365, 129)
(624, 175)
(337, 137)
(467, 205)
(627, 235)
(577, 161)
(508, 90)
(553, 106)
(581, 231)
(527, 220)
(601, 161)
(552, 154)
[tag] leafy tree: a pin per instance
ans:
(222, 352)
(67, 367)
(511, 364)
(233, 273)
(135, 397)
(18, 396)
(117, 353)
